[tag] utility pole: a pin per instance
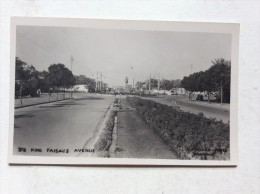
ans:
(133, 77)
(21, 90)
(158, 83)
(96, 83)
(150, 84)
(101, 84)
(71, 62)
(104, 83)
(221, 91)
(190, 98)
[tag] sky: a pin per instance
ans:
(120, 53)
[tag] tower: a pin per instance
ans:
(126, 81)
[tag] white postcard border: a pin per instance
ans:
(231, 28)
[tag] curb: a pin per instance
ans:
(112, 148)
(40, 103)
(102, 127)
(92, 142)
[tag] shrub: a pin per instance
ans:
(191, 136)
(105, 141)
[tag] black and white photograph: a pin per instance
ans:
(123, 92)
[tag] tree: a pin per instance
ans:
(20, 70)
(44, 83)
(21, 76)
(216, 79)
(154, 83)
(33, 82)
(27, 79)
(166, 84)
(220, 74)
(60, 76)
(139, 85)
(176, 83)
(89, 82)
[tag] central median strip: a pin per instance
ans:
(112, 148)
(191, 136)
(105, 137)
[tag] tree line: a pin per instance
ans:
(215, 80)
(84, 80)
(56, 79)
(163, 84)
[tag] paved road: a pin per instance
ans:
(209, 110)
(67, 124)
(135, 139)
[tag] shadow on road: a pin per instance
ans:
(54, 106)
(23, 116)
(89, 98)
(69, 104)
(62, 105)
(16, 126)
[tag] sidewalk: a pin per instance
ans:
(45, 98)
(224, 106)
(135, 138)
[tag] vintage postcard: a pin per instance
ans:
(114, 92)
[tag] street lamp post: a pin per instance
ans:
(132, 69)
(158, 83)
(20, 93)
(99, 82)
(71, 63)
(221, 88)
(96, 84)
(221, 92)
(150, 84)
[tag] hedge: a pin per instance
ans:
(105, 140)
(190, 136)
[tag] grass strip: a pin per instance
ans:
(103, 144)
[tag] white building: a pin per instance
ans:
(178, 91)
(80, 88)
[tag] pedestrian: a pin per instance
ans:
(39, 92)
(50, 91)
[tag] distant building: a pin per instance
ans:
(80, 88)
(121, 89)
(128, 86)
(178, 91)
(203, 96)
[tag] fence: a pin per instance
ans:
(44, 98)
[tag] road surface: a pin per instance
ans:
(74, 124)
(135, 138)
(69, 124)
(209, 110)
